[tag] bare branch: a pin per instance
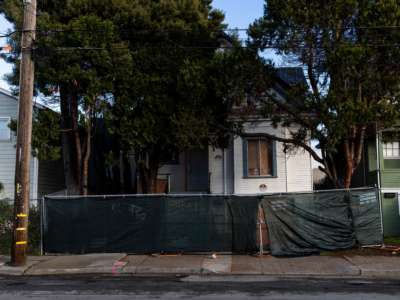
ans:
(295, 142)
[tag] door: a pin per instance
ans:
(197, 171)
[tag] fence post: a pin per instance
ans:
(379, 191)
(260, 222)
(41, 207)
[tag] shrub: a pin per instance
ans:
(6, 216)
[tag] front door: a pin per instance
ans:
(197, 171)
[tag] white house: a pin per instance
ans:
(46, 176)
(251, 164)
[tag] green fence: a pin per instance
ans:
(298, 223)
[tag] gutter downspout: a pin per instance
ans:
(223, 171)
(379, 182)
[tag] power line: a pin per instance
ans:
(177, 46)
(55, 30)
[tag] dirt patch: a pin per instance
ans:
(369, 251)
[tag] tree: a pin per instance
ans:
(170, 102)
(76, 49)
(46, 134)
(155, 70)
(349, 50)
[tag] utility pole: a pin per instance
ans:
(24, 138)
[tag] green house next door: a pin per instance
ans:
(391, 214)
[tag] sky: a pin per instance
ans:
(4, 67)
(239, 14)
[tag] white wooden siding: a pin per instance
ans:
(294, 171)
(215, 157)
(299, 171)
(9, 108)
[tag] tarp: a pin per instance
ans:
(366, 216)
(305, 223)
(298, 224)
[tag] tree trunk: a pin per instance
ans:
(87, 150)
(353, 153)
(148, 174)
(144, 177)
(121, 172)
(71, 184)
(76, 140)
(153, 172)
(348, 147)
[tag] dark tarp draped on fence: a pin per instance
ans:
(298, 224)
(306, 223)
(366, 217)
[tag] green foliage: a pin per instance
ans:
(1, 187)
(153, 69)
(392, 240)
(349, 49)
(170, 101)
(46, 134)
(6, 217)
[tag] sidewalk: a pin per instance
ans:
(380, 267)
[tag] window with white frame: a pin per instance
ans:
(5, 131)
(391, 150)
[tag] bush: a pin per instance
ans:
(6, 217)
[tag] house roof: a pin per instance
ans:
(11, 95)
(288, 77)
(291, 75)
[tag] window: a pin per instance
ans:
(391, 150)
(5, 131)
(259, 157)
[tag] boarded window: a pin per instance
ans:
(259, 157)
(5, 132)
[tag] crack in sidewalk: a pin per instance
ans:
(349, 260)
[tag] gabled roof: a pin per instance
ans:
(9, 94)
(292, 75)
(287, 78)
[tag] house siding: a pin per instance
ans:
(177, 173)
(216, 166)
(293, 172)
(50, 177)
(9, 108)
(299, 175)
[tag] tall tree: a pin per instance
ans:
(171, 102)
(157, 70)
(350, 51)
(77, 53)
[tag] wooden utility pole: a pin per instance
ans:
(24, 138)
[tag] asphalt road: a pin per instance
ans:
(119, 288)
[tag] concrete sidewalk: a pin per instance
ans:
(203, 265)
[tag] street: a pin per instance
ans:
(118, 288)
